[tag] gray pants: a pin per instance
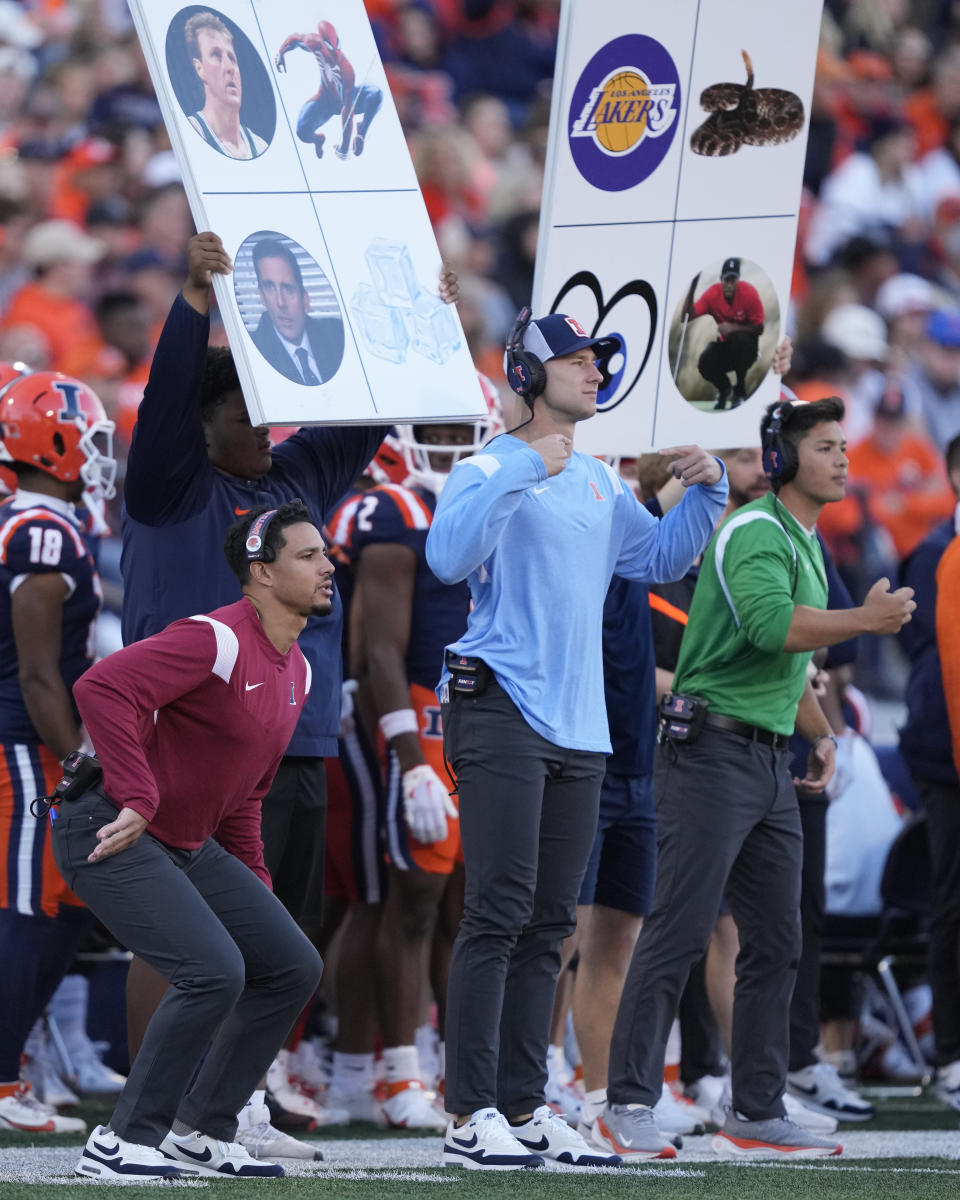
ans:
(528, 816)
(727, 818)
(241, 971)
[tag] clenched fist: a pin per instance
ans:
(887, 611)
(555, 450)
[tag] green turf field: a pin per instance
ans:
(912, 1150)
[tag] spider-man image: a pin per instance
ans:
(338, 93)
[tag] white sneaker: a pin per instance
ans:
(408, 1106)
(675, 1116)
(284, 1095)
(565, 1099)
(39, 1069)
(262, 1140)
(548, 1134)
(307, 1069)
(25, 1113)
(91, 1073)
(359, 1106)
(197, 1154)
(485, 1143)
(947, 1084)
(820, 1087)
(707, 1093)
(810, 1119)
(107, 1156)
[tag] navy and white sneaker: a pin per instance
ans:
(106, 1156)
(547, 1133)
(197, 1154)
(485, 1143)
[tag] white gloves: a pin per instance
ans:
(426, 804)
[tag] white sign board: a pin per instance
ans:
(677, 141)
(291, 150)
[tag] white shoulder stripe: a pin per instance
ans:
(306, 663)
(487, 463)
(228, 647)
(723, 537)
(338, 532)
(411, 504)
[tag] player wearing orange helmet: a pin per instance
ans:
(56, 440)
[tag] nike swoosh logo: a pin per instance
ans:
(204, 1157)
(250, 686)
(537, 491)
(463, 1142)
(541, 1145)
(108, 1150)
(241, 512)
(807, 1091)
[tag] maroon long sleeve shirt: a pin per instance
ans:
(190, 726)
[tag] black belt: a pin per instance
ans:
(754, 732)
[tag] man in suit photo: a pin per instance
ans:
(305, 349)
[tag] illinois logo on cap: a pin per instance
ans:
(624, 112)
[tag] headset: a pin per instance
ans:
(780, 458)
(526, 374)
(256, 543)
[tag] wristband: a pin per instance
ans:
(821, 736)
(401, 720)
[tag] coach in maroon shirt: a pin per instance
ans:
(189, 726)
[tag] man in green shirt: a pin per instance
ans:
(726, 806)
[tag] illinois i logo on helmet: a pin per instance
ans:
(624, 112)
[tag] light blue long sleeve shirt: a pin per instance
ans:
(538, 554)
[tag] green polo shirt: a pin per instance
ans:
(760, 564)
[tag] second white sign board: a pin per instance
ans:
(675, 161)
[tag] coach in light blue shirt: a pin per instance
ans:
(537, 530)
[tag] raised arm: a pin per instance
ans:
(168, 476)
(661, 551)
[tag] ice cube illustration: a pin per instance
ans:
(435, 332)
(381, 326)
(391, 269)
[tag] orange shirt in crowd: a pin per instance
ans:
(906, 490)
(931, 127)
(67, 324)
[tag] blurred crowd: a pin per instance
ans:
(94, 220)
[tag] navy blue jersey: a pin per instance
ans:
(38, 535)
(629, 681)
(178, 508)
(402, 516)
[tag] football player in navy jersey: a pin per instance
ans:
(407, 617)
(57, 441)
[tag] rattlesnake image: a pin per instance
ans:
(742, 115)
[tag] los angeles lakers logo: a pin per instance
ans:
(624, 112)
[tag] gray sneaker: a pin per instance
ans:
(631, 1131)
(778, 1137)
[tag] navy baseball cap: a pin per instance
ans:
(731, 268)
(557, 335)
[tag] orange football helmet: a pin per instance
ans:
(58, 424)
(422, 456)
